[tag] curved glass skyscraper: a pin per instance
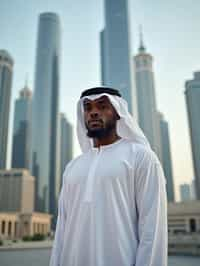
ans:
(6, 72)
(116, 66)
(45, 164)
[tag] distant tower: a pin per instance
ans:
(192, 94)
(22, 129)
(116, 68)
(6, 73)
(45, 129)
(185, 192)
(66, 144)
(166, 157)
(146, 98)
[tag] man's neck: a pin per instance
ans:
(105, 141)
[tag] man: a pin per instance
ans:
(112, 205)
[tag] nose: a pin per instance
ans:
(94, 113)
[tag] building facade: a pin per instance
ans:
(17, 216)
(184, 228)
(45, 129)
(22, 130)
(192, 95)
(66, 147)
(185, 192)
(16, 191)
(166, 157)
(17, 225)
(6, 73)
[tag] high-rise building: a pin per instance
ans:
(45, 121)
(16, 191)
(146, 98)
(116, 68)
(185, 192)
(6, 73)
(166, 157)
(17, 204)
(66, 142)
(192, 189)
(22, 129)
(192, 94)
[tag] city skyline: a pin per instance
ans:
(170, 45)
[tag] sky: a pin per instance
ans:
(171, 35)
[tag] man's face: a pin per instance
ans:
(100, 117)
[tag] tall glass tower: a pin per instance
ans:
(45, 135)
(66, 143)
(192, 94)
(166, 157)
(116, 68)
(21, 130)
(6, 72)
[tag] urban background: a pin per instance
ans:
(49, 53)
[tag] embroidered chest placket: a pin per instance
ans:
(90, 183)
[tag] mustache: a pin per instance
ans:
(95, 120)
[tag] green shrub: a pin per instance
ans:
(26, 238)
(38, 237)
(1, 242)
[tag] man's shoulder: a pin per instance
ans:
(143, 153)
(70, 164)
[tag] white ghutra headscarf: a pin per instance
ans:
(127, 127)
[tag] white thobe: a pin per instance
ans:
(112, 209)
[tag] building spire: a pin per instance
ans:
(142, 48)
(25, 92)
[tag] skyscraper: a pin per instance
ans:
(116, 68)
(166, 157)
(192, 94)
(45, 129)
(146, 98)
(6, 71)
(185, 192)
(21, 130)
(66, 143)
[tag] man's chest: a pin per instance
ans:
(101, 167)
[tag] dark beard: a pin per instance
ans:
(101, 132)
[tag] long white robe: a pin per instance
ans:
(112, 209)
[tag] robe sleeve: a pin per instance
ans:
(59, 233)
(151, 204)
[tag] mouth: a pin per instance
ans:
(95, 123)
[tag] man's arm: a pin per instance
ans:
(60, 228)
(152, 212)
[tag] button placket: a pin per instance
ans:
(90, 183)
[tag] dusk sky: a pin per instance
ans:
(171, 32)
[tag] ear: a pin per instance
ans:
(116, 115)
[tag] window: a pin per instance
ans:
(9, 228)
(3, 227)
(192, 225)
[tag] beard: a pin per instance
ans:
(103, 132)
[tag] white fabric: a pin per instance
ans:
(120, 218)
(127, 126)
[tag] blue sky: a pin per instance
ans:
(171, 35)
